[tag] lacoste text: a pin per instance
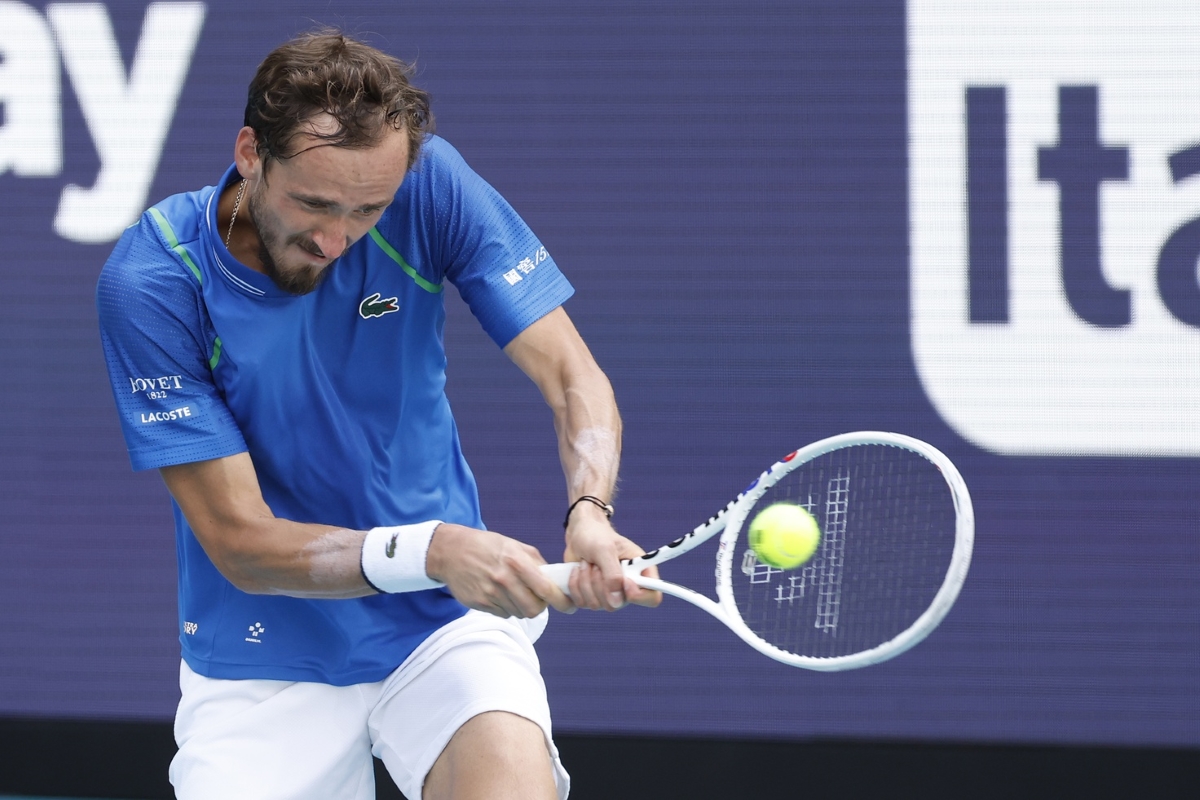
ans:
(167, 416)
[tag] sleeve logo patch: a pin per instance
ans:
(373, 306)
(156, 388)
(167, 416)
(526, 266)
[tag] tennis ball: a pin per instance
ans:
(784, 535)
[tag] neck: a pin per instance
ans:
(242, 241)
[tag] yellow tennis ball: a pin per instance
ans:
(784, 535)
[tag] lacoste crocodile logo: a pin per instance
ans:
(391, 546)
(373, 306)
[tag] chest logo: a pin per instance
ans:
(373, 306)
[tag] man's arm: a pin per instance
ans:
(260, 553)
(552, 353)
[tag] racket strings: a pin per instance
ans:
(887, 533)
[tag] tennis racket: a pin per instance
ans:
(897, 530)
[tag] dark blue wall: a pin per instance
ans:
(726, 185)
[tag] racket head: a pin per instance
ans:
(897, 532)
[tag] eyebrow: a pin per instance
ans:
(324, 203)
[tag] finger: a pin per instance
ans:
(584, 583)
(580, 588)
(506, 597)
(606, 597)
(517, 583)
(546, 589)
(642, 597)
(522, 600)
(611, 583)
(494, 610)
(633, 592)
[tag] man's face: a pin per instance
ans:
(317, 203)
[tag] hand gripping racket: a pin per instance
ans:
(897, 529)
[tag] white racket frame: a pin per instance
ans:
(729, 522)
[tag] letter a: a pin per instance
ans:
(30, 94)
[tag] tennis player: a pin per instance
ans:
(275, 350)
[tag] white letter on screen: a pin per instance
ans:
(128, 120)
(31, 136)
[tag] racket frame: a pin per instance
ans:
(728, 522)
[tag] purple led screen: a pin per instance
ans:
(738, 193)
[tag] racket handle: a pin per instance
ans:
(560, 574)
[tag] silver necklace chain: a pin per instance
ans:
(237, 203)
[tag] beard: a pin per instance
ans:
(299, 280)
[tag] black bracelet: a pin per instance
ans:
(606, 507)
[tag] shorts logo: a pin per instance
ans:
(373, 306)
(1054, 198)
(256, 631)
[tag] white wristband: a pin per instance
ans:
(393, 559)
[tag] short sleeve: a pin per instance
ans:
(160, 350)
(501, 269)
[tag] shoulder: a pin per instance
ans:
(157, 262)
(428, 212)
(162, 247)
(439, 154)
(438, 171)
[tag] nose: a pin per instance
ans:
(332, 240)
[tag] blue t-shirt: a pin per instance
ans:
(337, 395)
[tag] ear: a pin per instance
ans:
(245, 155)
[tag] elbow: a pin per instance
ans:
(245, 581)
(242, 575)
(240, 563)
(585, 383)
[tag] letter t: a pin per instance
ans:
(1079, 164)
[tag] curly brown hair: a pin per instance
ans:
(365, 90)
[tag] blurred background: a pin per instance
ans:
(784, 220)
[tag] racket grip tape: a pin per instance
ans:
(560, 574)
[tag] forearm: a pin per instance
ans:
(589, 436)
(554, 356)
(483, 570)
(298, 560)
(589, 442)
(260, 553)
(256, 551)
(552, 353)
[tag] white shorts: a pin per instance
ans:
(277, 740)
